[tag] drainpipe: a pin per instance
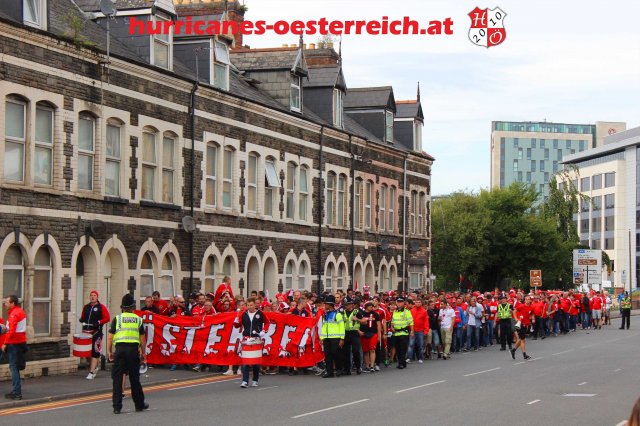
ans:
(353, 205)
(404, 226)
(320, 209)
(192, 178)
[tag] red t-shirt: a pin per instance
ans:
(420, 320)
(492, 308)
(575, 307)
(163, 306)
(565, 304)
(523, 313)
(597, 303)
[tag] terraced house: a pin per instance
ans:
(177, 159)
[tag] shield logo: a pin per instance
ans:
(487, 27)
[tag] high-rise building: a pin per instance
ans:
(531, 152)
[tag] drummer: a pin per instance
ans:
(252, 324)
(94, 316)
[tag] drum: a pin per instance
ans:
(251, 352)
(82, 345)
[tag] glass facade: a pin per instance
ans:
(508, 126)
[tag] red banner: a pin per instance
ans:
(290, 340)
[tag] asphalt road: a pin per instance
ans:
(584, 378)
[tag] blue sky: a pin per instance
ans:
(564, 61)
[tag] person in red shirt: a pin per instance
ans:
(158, 302)
(538, 311)
(15, 343)
(381, 348)
(523, 314)
(94, 316)
(197, 310)
(596, 310)
(420, 330)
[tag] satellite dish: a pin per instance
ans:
(414, 246)
(108, 8)
(97, 227)
(188, 224)
(384, 245)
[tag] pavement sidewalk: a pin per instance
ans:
(54, 388)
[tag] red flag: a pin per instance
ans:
(356, 289)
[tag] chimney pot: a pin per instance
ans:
(312, 46)
(304, 46)
(285, 45)
(330, 45)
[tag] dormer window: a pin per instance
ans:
(296, 104)
(34, 13)
(337, 108)
(417, 135)
(161, 53)
(388, 134)
(221, 66)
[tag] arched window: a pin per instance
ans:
(304, 193)
(43, 161)
(12, 274)
(291, 189)
(86, 150)
(211, 175)
(252, 182)
(42, 293)
(228, 266)
(147, 276)
(342, 197)
(384, 278)
(383, 207)
(149, 163)
(302, 276)
(328, 279)
(211, 268)
(113, 157)
(341, 276)
(288, 274)
(166, 281)
(331, 185)
(15, 119)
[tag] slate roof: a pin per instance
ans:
(352, 126)
(370, 97)
(280, 58)
(409, 109)
(329, 76)
(94, 5)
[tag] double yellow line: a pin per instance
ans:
(106, 396)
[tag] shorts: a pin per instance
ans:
(596, 315)
(607, 312)
(391, 342)
(369, 343)
(96, 345)
(522, 333)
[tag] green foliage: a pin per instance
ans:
(497, 236)
(325, 41)
(75, 25)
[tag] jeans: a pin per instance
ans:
(458, 338)
(488, 336)
(472, 336)
(245, 372)
(586, 317)
(435, 338)
(12, 354)
(417, 342)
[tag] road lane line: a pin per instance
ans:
(268, 387)
(480, 372)
(199, 384)
(580, 394)
(535, 359)
(563, 352)
(521, 362)
(57, 408)
(616, 370)
(622, 423)
(421, 386)
(329, 408)
(583, 383)
(533, 402)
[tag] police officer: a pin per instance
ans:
(505, 313)
(402, 327)
(332, 336)
(127, 335)
(625, 308)
(351, 336)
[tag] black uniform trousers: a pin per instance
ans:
(626, 317)
(351, 346)
(332, 355)
(126, 360)
(506, 335)
(402, 344)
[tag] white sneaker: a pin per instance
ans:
(239, 372)
(229, 372)
(377, 368)
(244, 385)
(91, 376)
(254, 384)
(408, 361)
(419, 361)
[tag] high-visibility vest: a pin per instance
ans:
(127, 328)
(504, 311)
(349, 325)
(332, 326)
(626, 303)
(401, 322)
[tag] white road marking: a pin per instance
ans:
(329, 408)
(615, 371)
(59, 408)
(533, 402)
(580, 394)
(200, 384)
(583, 383)
(480, 372)
(588, 346)
(421, 386)
(521, 362)
(268, 387)
(563, 352)
(622, 423)
(535, 359)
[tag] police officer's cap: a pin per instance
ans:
(400, 299)
(128, 302)
(330, 299)
(349, 301)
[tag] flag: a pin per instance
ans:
(290, 294)
(266, 293)
(356, 289)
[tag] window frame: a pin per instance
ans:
(220, 62)
(341, 194)
(147, 273)
(20, 268)
(269, 192)
(421, 211)
(227, 180)
(368, 195)
(357, 213)
(43, 300)
(207, 274)
(288, 274)
(417, 135)
(303, 193)
(383, 207)
(211, 178)
(113, 123)
(391, 210)
(89, 154)
(331, 193)
(388, 126)
(412, 212)
(338, 108)
(252, 184)
(43, 145)
(168, 168)
(149, 165)
(155, 38)
(17, 140)
(296, 86)
(41, 18)
(290, 191)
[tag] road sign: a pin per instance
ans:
(588, 265)
(535, 277)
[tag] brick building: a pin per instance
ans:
(269, 152)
